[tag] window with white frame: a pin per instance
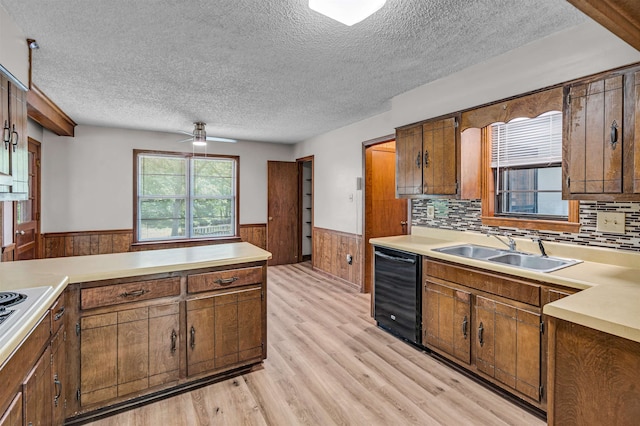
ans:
(185, 196)
(526, 159)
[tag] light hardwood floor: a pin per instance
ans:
(329, 364)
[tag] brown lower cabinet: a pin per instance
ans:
(32, 378)
(147, 335)
(490, 324)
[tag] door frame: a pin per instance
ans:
(365, 145)
(37, 206)
(301, 161)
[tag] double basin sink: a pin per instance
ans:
(510, 258)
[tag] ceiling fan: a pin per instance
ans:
(199, 136)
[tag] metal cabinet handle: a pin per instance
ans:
(135, 293)
(614, 134)
(174, 338)
(418, 160)
(58, 385)
(59, 314)
(465, 323)
(14, 142)
(193, 337)
(481, 334)
(226, 281)
(426, 158)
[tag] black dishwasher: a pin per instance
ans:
(397, 300)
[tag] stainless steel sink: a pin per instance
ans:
(509, 258)
(536, 263)
(471, 251)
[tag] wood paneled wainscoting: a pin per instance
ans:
(82, 243)
(330, 250)
(64, 244)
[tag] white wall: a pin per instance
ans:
(14, 54)
(87, 180)
(577, 52)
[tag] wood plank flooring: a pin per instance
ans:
(328, 364)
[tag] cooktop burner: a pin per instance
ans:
(10, 298)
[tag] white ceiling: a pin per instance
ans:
(264, 70)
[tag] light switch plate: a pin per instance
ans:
(610, 222)
(430, 212)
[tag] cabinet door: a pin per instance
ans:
(439, 142)
(409, 161)
(593, 137)
(128, 351)
(19, 148)
(508, 345)
(37, 391)
(446, 320)
(5, 171)
(224, 330)
(58, 373)
(13, 415)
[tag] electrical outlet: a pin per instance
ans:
(612, 222)
(431, 212)
(349, 259)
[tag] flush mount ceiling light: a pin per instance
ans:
(348, 12)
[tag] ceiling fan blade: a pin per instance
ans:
(186, 140)
(216, 139)
(184, 133)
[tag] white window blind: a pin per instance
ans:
(535, 141)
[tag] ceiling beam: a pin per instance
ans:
(45, 112)
(621, 17)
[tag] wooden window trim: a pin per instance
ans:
(182, 241)
(488, 200)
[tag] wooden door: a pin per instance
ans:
(594, 129)
(5, 170)
(439, 143)
(385, 215)
(98, 358)
(37, 391)
(446, 320)
(164, 344)
(409, 161)
(200, 335)
(282, 211)
(508, 345)
(13, 415)
(27, 212)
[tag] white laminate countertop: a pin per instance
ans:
(610, 279)
(57, 273)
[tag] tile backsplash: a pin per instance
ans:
(464, 215)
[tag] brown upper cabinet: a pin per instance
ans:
(14, 172)
(428, 158)
(600, 159)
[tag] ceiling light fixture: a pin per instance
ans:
(33, 45)
(348, 12)
(199, 134)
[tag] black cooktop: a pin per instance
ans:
(10, 298)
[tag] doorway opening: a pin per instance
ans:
(384, 214)
(305, 211)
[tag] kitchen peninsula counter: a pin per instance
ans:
(57, 273)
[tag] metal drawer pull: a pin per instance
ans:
(614, 134)
(225, 281)
(136, 293)
(58, 385)
(481, 334)
(6, 134)
(426, 158)
(193, 337)
(14, 142)
(465, 323)
(418, 160)
(174, 338)
(59, 314)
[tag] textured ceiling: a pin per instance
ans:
(265, 70)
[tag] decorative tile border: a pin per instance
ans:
(464, 215)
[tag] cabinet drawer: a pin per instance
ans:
(223, 279)
(57, 314)
(129, 292)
